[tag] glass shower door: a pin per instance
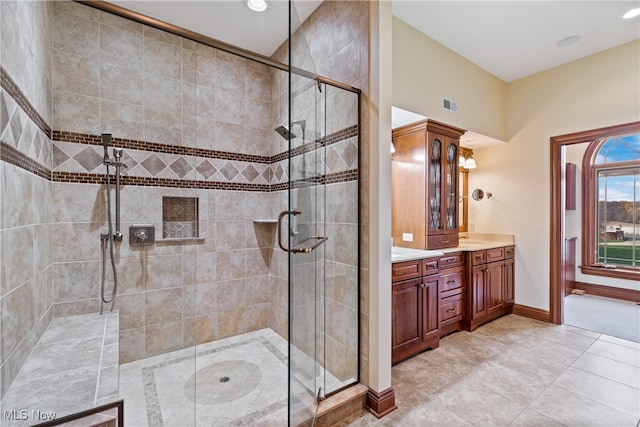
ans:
(307, 243)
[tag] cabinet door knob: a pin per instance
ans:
(451, 282)
(422, 285)
(444, 241)
(451, 310)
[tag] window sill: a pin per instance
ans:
(616, 273)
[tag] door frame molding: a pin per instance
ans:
(558, 180)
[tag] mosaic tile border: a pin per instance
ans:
(155, 147)
(16, 158)
(8, 84)
(154, 411)
(87, 178)
(324, 141)
(134, 144)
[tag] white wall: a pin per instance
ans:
(424, 72)
(597, 91)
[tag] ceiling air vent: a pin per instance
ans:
(449, 105)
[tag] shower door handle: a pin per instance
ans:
(282, 215)
(317, 240)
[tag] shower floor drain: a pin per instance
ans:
(212, 384)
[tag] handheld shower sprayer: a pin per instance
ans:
(112, 235)
(106, 142)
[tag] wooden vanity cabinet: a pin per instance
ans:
(491, 290)
(424, 179)
(414, 308)
(452, 293)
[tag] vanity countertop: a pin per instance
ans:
(476, 245)
(399, 254)
(474, 242)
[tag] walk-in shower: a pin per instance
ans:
(213, 298)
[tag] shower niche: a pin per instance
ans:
(179, 217)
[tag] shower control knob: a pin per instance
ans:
(142, 235)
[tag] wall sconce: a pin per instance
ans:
(466, 161)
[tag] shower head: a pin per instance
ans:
(106, 141)
(284, 132)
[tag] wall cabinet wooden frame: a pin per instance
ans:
(424, 194)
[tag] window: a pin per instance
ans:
(611, 207)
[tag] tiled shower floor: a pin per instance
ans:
(234, 381)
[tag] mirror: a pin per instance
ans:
(478, 194)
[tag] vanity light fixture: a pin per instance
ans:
(632, 13)
(257, 5)
(470, 163)
(393, 148)
(467, 161)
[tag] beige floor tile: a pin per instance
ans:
(620, 341)
(580, 331)
(530, 418)
(617, 352)
(610, 393)
(477, 404)
(428, 414)
(571, 409)
(565, 336)
(610, 369)
(507, 382)
(544, 363)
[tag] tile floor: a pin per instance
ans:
(164, 390)
(517, 372)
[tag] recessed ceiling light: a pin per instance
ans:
(567, 41)
(632, 13)
(257, 5)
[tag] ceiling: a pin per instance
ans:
(514, 39)
(509, 39)
(230, 21)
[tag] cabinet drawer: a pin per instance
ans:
(442, 241)
(429, 266)
(509, 252)
(478, 257)
(452, 307)
(452, 282)
(451, 260)
(406, 270)
(495, 254)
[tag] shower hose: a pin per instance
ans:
(109, 241)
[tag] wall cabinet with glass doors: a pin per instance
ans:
(424, 196)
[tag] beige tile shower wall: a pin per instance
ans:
(25, 206)
(113, 75)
